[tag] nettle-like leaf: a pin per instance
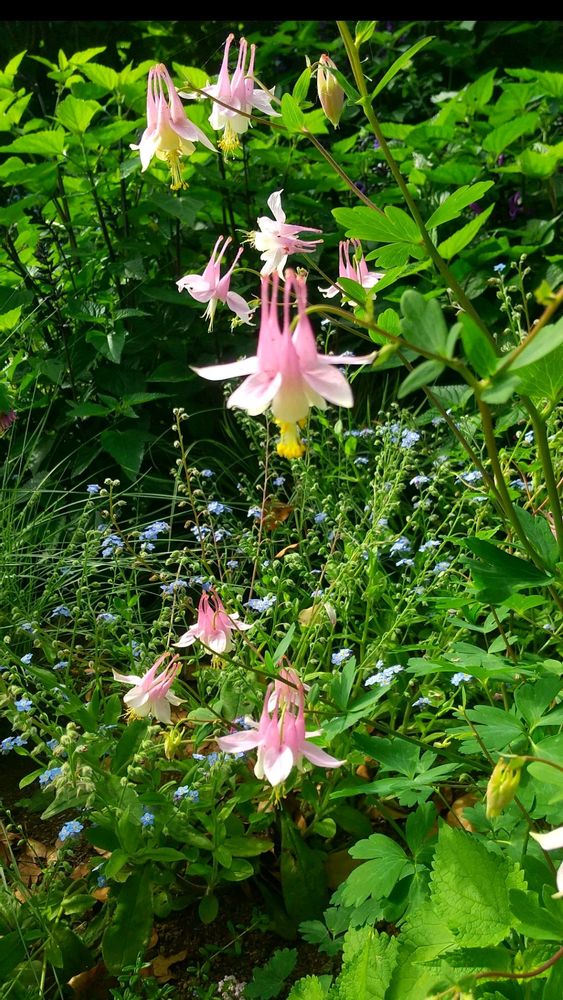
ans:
(369, 961)
(470, 887)
(267, 982)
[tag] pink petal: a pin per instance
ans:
(277, 764)
(347, 359)
(275, 206)
(127, 678)
(187, 639)
(330, 384)
(319, 757)
(256, 393)
(237, 742)
(239, 306)
(215, 373)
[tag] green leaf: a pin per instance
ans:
(309, 988)
(342, 683)
(128, 934)
(102, 76)
(502, 389)
(13, 950)
(456, 202)
(400, 63)
(369, 961)
(396, 754)
(248, 847)
(454, 244)
(533, 919)
(364, 31)
(45, 144)
(301, 87)
(423, 374)
(478, 349)
(548, 339)
(537, 530)
(76, 114)
(303, 876)
(517, 571)
(126, 447)
(470, 889)
(128, 744)
(423, 323)
(544, 378)
(292, 115)
(392, 226)
(504, 135)
(208, 908)
(378, 876)
(268, 981)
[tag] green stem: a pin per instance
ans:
(500, 481)
(432, 251)
(341, 172)
(540, 434)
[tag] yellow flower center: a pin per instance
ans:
(229, 141)
(172, 157)
(290, 444)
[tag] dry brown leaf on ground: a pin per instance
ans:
(161, 965)
(93, 984)
(455, 815)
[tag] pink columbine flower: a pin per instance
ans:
(214, 627)
(552, 841)
(287, 372)
(151, 694)
(280, 735)
(6, 420)
(239, 93)
(356, 269)
(210, 287)
(277, 239)
(169, 132)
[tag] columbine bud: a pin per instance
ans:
(503, 784)
(330, 92)
(172, 743)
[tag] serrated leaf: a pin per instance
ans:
(423, 323)
(470, 889)
(267, 981)
(292, 115)
(76, 114)
(38, 143)
(399, 63)
(454, 244)
(102, 76)
(309, 988)
(456, 202)
(423, 374)
(369, 961)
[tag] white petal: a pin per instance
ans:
(275, 206)
(549, 841)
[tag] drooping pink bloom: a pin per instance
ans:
(280, 735)
(356, 269)
(6, 420)
(169, 132)
(277, 239)
(210, 287)
(214, 627)
(239, 93)
(151, 694)
(287, 372)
